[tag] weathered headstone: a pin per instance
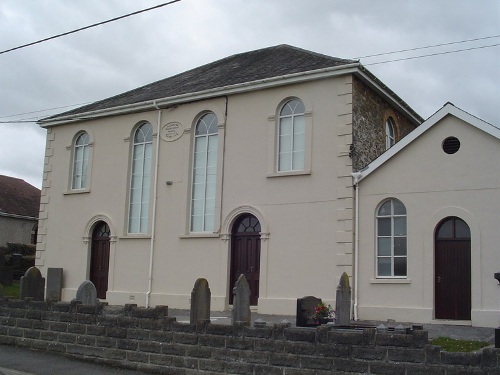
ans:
(5, 272)
(343, 301)
(32, 285)
(241, 302)
(54, 284)
(87, 293)
(305, 311)
(200, 302)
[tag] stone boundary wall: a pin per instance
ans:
(148, 340)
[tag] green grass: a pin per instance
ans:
(452, 345)
(11, 291)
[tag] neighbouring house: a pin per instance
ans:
(240, 166)
(429, 216)
(19, 206)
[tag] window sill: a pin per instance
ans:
(135, 237)
(76, 191)
(390, 281)
(200, 235)
(289, 173)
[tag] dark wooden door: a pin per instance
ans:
(245, 255)
(99, 259)
(452, 283)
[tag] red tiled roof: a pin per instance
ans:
(18, 197)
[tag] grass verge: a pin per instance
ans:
(452, 345)
(11, 290)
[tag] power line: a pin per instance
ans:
(425, 47)
(89, 26)
(45, 110)
(432, 54)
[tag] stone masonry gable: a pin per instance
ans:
(370, 112)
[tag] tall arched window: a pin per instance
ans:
(80, 161)
(390, 135)
(291, 136)
(204, 174)
(140, 180)
(391, 239)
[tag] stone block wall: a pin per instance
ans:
(149, 340)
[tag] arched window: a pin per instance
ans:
(140, 179)
(391, 239)
(291, 136)
(80, 161)
(390, 137)
(204, 174)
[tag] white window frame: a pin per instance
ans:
(203, 199)
(80, 162)
(392, 236)
(298, 128)
(390, 133)
(140, 174)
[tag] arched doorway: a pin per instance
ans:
(245, 254)
(99, 258)
(452, 281)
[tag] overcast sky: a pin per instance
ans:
(119, 56)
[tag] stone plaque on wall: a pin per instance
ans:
(171, 131)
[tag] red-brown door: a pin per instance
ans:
(99, 259)
(245, 255)
(452, 281)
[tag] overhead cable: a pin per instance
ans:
(89, 26)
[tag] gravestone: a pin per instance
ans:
(32, 285)
(16, 261)
(5, 272)
(200, 302)
(87, 293)
(54, 284)
(241, 302)
(343, 301)
(305, 311)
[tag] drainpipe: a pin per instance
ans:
(153, 224)
(356, 176)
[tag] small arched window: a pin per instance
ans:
(80, 161)
(291, 136)
(390, 135)
(204, 174)
(140, 179)
(391, 239)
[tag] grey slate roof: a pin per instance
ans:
(236, 69)
(17, 197)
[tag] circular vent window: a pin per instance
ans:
(451, 145)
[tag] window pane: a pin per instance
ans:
(298, 107)
(298, 160)
(446, 229)
(298, 142)
(400, 226)
(385, 209)
(384, 227)
(384, 246)
(196, 223)
(400, 266)
(399, 245)
(286, 126)
(209, 223)
(384, 267)
(399, 208)
(461, 229)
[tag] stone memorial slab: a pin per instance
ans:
(305, 311)
(200, 302)
(2, 259)
(32, 285)
(87, 293)
(241, 302)
(343, 301)
(54, 284)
